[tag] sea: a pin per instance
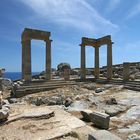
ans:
(15, 75)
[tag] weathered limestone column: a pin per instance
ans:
(48, 59)
(23, 59)
(97, 69)
(83, 63)
(126, 68)
(26, 59)
(109, 61)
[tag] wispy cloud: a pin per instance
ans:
(113, 4)
(134, 11)
(130, 51)
(60, 45)
(75, 13)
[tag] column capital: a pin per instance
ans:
(110, 43)
(82, 45)
(48, 40)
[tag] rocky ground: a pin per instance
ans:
(122, 105)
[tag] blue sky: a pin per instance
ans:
(68, 21)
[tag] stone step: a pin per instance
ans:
(132, 85)
(46, 84)
(133, 82)
(105, 81)
(22, 91)
(132, 88)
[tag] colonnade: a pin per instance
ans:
(29, 34)
(96, 43)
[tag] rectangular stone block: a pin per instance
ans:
(100, 120)
(86, 115)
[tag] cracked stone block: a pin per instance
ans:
(86, 115)
(100, 120)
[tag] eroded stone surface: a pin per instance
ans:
(114, 110)
(103, 135)
(61, 124)
(132, 113)
(133, 137)
(4, 111)
(130, 128)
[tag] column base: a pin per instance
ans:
(109, 74)
(48, 76)
(27, 78)
(97, 73)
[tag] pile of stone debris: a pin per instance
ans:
(4, 109)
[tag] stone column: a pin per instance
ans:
(48, 60)
(83, 63)
(26, 60)
(23, 59)
(97, 69)
(126, 68)
(109, 61)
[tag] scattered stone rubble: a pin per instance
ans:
(117, 71)
(133, 137)
(4, 110)
(115, 110)
(119, 106)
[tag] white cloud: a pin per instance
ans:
(60, 45)
(130, 51)
(134, 11)
(113, 4)
(75, 13)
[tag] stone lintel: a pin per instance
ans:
(96, 42)
(85, 39)
(48, 41)
(35, 34)
(89, 41)
(35, 31)
(108, 37)
(104, 42)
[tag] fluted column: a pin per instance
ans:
(83, 63)
(26, 59)
(97, 69)
(48, 60)
(109, 61)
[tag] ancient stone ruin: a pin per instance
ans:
(27, 36)
(67, 104)
(97, 43)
